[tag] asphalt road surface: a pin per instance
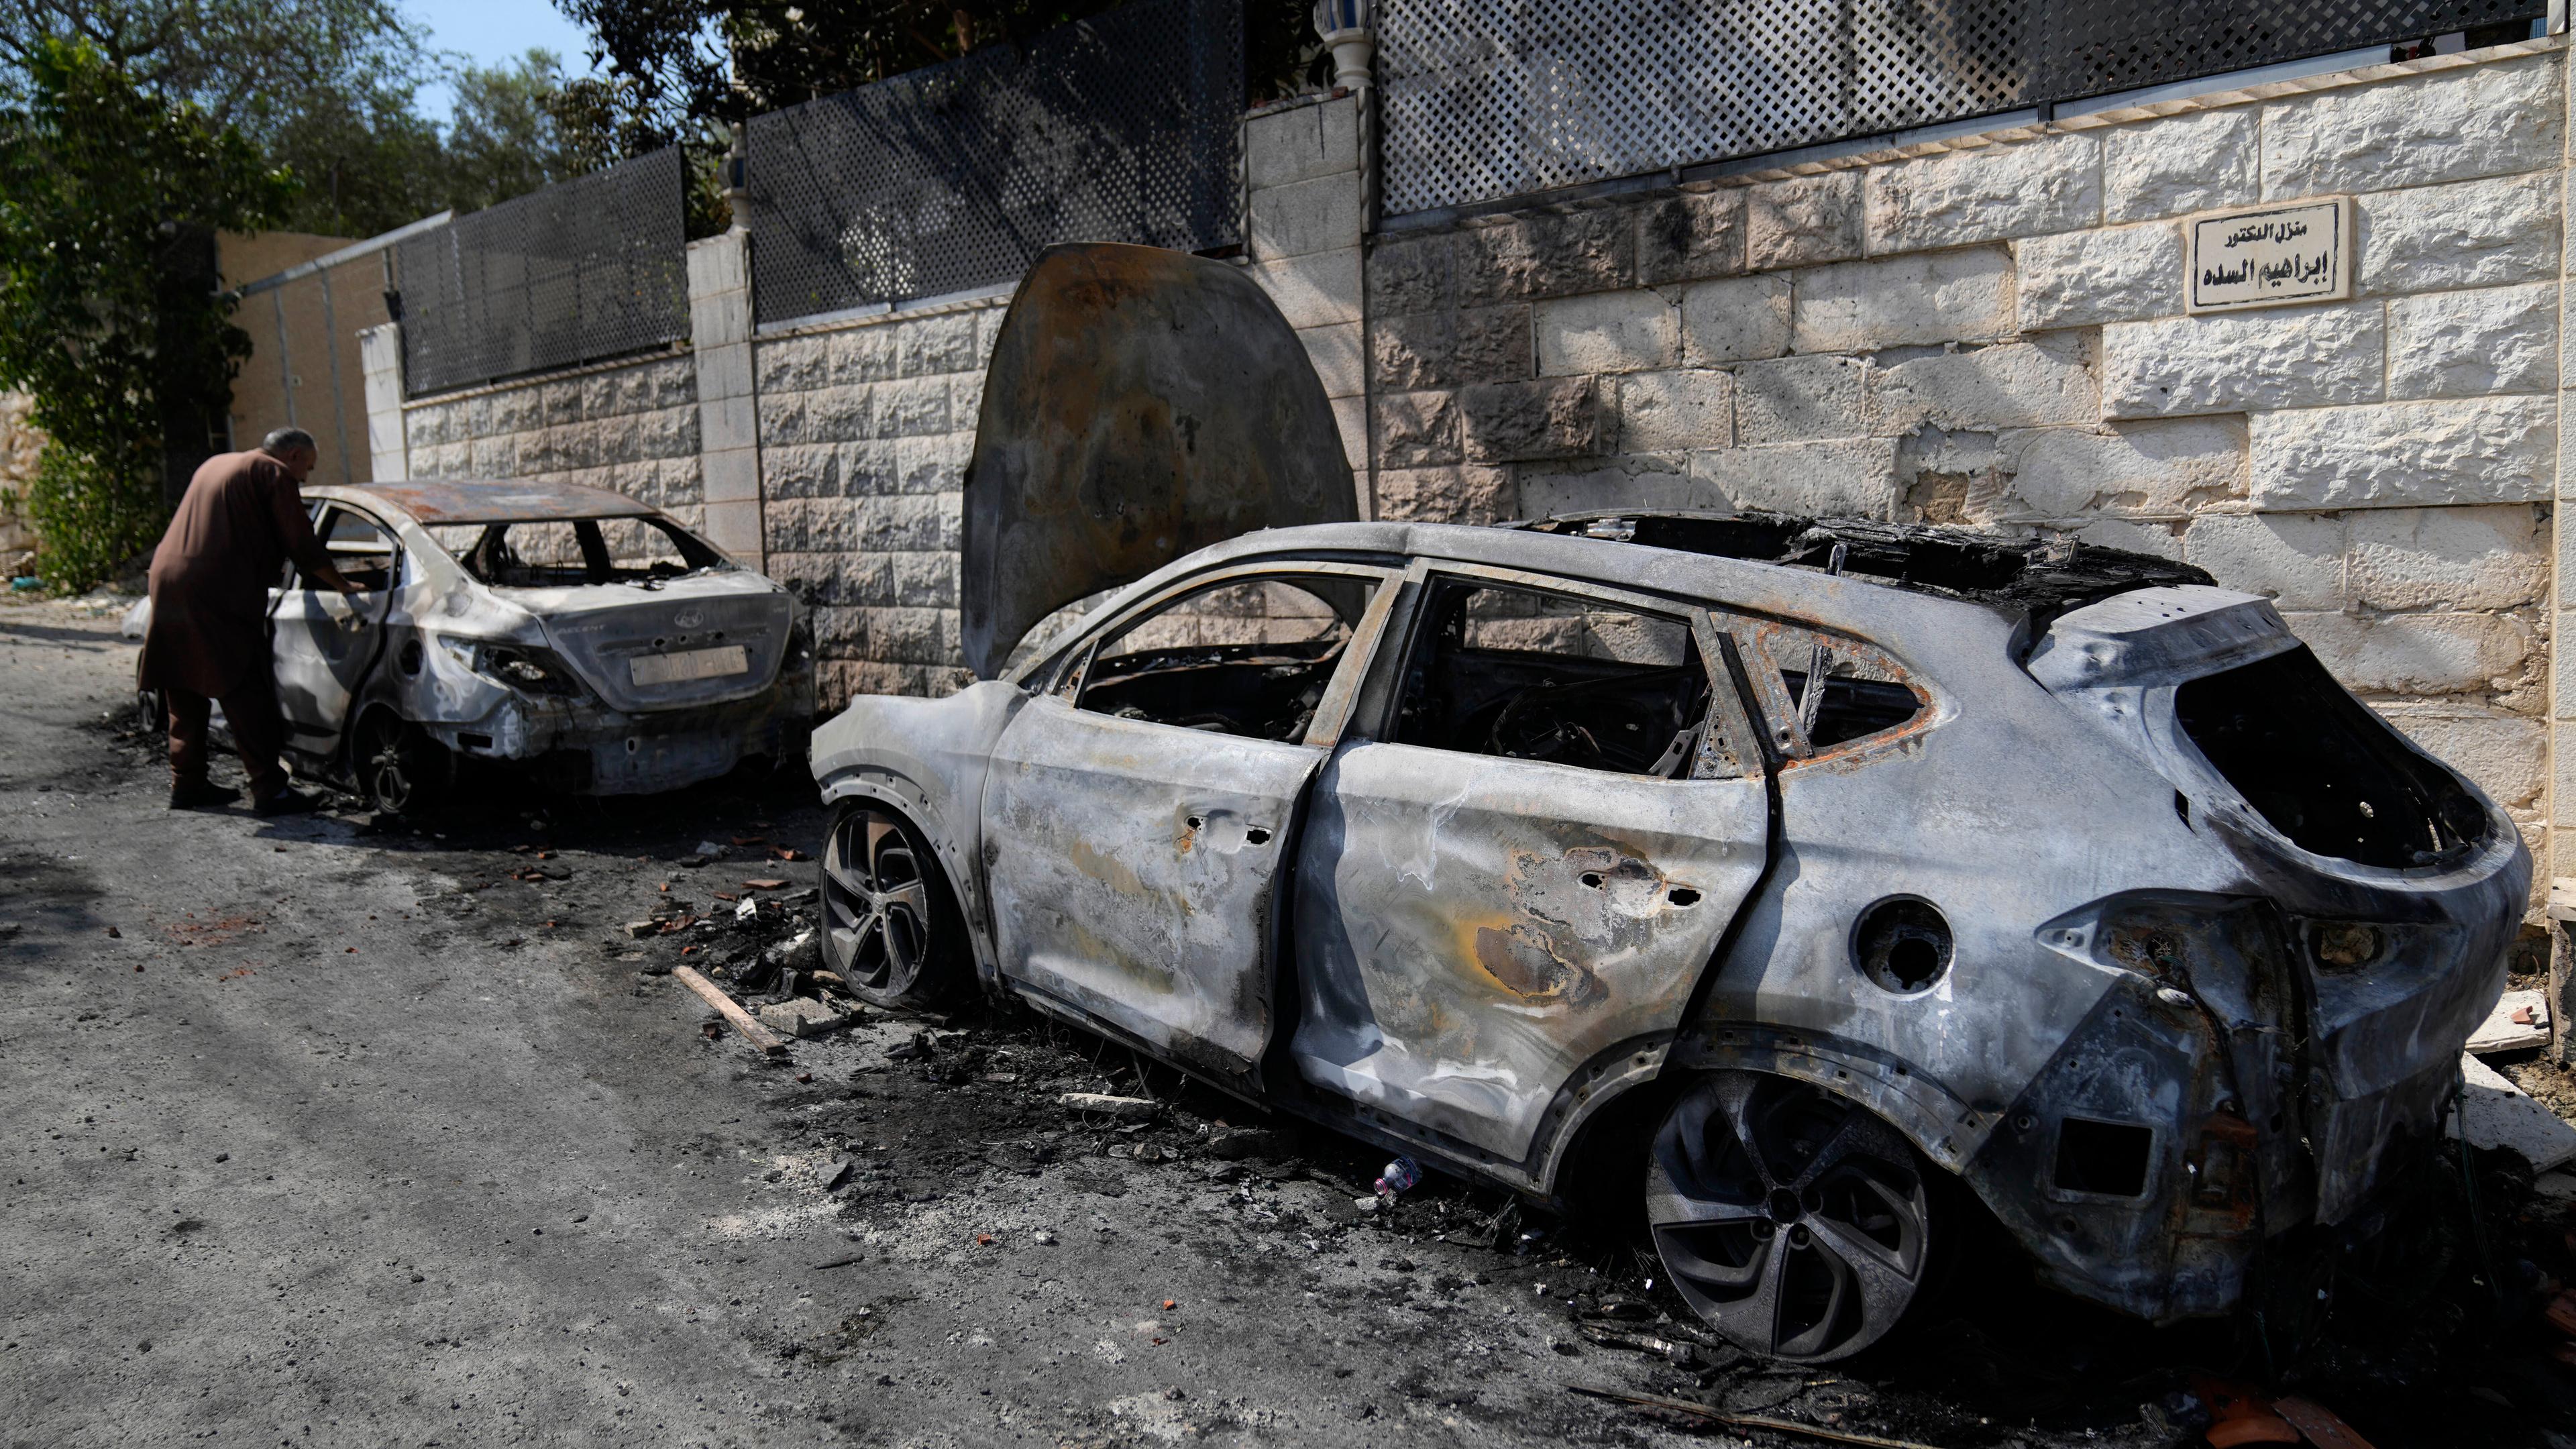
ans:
(331, 1131)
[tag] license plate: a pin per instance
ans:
(689, 664)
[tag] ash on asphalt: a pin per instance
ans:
(387, 1128)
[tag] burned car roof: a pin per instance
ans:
(2045, 576)
(507, 500)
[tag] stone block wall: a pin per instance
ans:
(1990, 332)
(630, 427)
(866, 428)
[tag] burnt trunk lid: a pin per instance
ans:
(701, 640)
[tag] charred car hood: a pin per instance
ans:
(1140, 404)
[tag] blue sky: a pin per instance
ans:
(488, 32)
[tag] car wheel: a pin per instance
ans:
(889, 929)
(1797, 1223)
(400, 770)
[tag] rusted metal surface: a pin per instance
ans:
(434, 501)
(449, 656)
(1140, 404)
(2120, 1029)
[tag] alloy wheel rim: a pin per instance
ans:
(876, 903)
(1795, 1222)
(388, 774)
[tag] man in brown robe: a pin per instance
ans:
(227, 546)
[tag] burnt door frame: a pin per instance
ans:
(1141, 853)
(292, 622)
(1335, 1012)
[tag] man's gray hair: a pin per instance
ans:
(281, 441)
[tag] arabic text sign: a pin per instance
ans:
(2299, 253)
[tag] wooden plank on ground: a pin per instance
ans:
(752, 1031)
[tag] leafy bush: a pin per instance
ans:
(91, 517)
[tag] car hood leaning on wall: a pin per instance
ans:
(1140, 404)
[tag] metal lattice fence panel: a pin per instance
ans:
(1117, 128)
(1489, 99)
(585, 269)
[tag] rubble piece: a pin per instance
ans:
(1670, 1350)
(764, 885)
(2561, 1313)
(1716, 1415)
(752, 1031)
(841, 1263)
(802, 1016)
(2519, 1022)
(802, 952)
(1235, 1144)
(2496, 1113)
(638, 930)
(2556, 1186)
(1123, 1109)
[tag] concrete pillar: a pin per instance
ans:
(380, 359)
(1304, 215)
(728, 409)
(2558, 854)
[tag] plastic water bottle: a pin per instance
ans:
(1398, 1176)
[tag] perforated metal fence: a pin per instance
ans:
(1117, 128)
(585, 269)
(1488, 99)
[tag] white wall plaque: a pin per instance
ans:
(2267, 257)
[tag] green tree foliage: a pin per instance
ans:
(328, 90)
(508, 137)
(323, 87)
(665, 62)
(97, 175)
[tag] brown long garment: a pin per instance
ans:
(226, 547)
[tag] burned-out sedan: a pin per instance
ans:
(1816, 885)
(572, 633)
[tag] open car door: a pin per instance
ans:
(324, 643)
(1140, 404)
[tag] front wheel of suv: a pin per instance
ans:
(891, 930)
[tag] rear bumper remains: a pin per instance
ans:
(583, 747)
(2231, 1089)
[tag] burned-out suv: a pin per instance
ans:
(1836, 861)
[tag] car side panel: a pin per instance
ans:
(926, 758)
(1472, 930)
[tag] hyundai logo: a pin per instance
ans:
(688, 618)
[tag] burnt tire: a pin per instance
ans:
(1796, 1223)
(398, 767)
(891, 929)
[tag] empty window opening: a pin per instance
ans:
(560, 553)
(2323, 769)
(1536, 676)
(2109, 1158)
(1862, 694)
(360, 549)
(1249, 658)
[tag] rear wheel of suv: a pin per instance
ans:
(890, 929)
(1797, 1223)
(400, 769)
